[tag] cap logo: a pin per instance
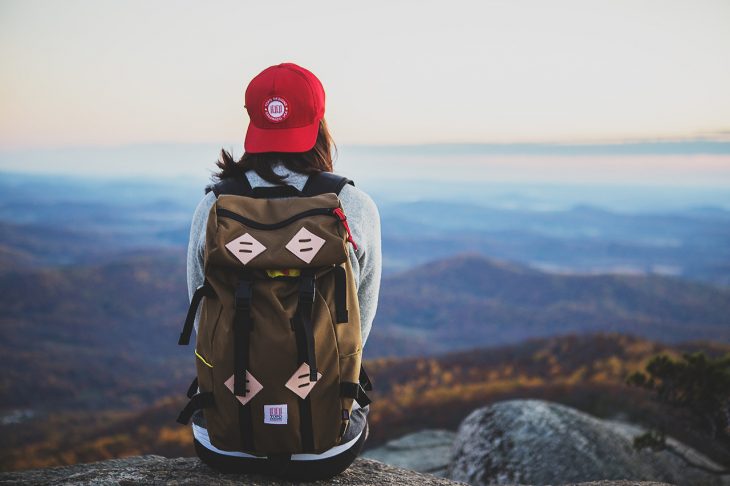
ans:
(276, 109)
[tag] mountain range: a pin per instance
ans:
(470, 300)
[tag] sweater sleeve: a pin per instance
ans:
(364, 220)
(196, 247)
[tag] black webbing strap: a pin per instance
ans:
(305, 424)
(237, 185)
(204, 290)
(349, 389)
(354, 391)
(242, 325)
(198, 401)
(324, 182)
(193, 388)
(317, 183)
(274, 192)
(305, 306)
(357, 390)
(364, 380)
(305, 406)
(245, 426)
(340, 294)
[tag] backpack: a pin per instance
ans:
(279, 349)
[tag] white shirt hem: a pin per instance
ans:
(201, 435)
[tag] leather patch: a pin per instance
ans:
(252, 388)
(245, 248)
(305, 245)
(299, 382)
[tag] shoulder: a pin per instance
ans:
(200, 217)
(357, 200)
(362, 213)
(206, 202)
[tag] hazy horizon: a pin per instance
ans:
(84, 72)
(680, 163)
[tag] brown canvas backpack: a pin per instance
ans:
(278, 350)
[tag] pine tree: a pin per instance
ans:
(697, 383)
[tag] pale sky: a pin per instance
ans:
(77, 73)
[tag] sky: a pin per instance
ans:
(90, 73)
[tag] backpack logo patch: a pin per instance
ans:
(299, 382)
(245, 248)
(275, 414)
(252, 388)
(305, 245)
(276, 109)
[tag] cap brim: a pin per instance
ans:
(301, 139)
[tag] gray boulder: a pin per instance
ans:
(424, 451)
(537, 442)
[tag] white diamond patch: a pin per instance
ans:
(299, 382)
(252, 387)
(305, 245)
(245, 248)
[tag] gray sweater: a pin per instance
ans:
(362, 216)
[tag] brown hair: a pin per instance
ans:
(317, 159)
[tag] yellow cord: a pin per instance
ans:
(203, 360)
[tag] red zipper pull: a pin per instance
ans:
(343, 219)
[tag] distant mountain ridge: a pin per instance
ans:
(470, 300)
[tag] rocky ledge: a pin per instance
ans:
(160, 470)
(145, 470)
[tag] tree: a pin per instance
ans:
(697, 383)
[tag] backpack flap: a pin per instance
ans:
(273, 234)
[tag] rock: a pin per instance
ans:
(618, 483)
(424, 451)
(152, 470)
(537, 442)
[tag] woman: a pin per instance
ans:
(286, 141)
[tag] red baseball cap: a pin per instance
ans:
(285, 104)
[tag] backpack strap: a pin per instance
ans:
(324, 182)
(304, 335)
(364, 380)
(204, 290)
(303, 317)
(354, 391)
(197, 402)
(357, 390)
(341, 294)
(317, 183)
(193, 388)
(238, 185)
(242, 327)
